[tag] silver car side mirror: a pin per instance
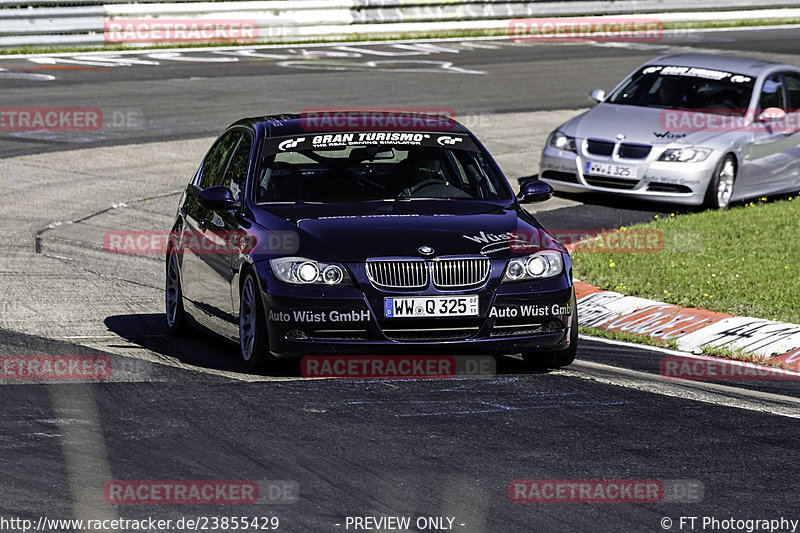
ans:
(772, 114)
(598, 95)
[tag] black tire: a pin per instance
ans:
(557, 358)
(725, 170)
(173, 297)
(253, 335)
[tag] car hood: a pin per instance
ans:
(641, 125)
(355, 232)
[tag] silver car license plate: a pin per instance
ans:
(610, 169)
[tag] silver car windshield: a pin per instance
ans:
(674, 87)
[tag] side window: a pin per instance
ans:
(214, 164)
(772, 93)
(237, 169)
(793, 88)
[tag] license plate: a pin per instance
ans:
(422, 306)
(608, 169)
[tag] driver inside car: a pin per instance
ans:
(421, 167)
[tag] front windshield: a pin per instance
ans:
(673, 87)
(377, 172)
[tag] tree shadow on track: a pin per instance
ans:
(197, 347)
(626, 203)
(602, 211)
(605, 213)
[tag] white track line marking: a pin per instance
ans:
(499, 38)
(698, 391)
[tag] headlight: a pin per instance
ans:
(562, 142)
(685, 155)
(306, 272)
(537, 266)
(301, 271)
(332, 275)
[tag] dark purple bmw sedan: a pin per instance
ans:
(293, 240)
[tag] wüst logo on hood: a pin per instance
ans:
(485, 238)
(668, 135)
(518, 241)
(494, 243)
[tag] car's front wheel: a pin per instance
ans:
(720, 188)
(176, 316)
(253, 336)
(557, 358)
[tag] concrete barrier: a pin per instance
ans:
(47, 23)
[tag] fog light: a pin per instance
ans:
(295, 334)
(515, 269)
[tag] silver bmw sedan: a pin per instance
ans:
(685, 129)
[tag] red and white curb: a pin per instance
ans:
(692, 329)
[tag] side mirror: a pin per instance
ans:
(217, 197)
(532, 191)
(772, 114)
(598, 95)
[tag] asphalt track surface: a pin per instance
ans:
(185, 409)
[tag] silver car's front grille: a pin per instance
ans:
(398, 274)
(460, 273)
(634, 151)
(626, 150)
(414, 273)
(599, 147)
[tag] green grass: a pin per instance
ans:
(416, 35)
(737, 354)
(742, 261)
(711, 24)
(627, 337)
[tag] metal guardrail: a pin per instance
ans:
(45, 23)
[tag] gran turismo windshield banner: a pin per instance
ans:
(368, 138)
(696, 72)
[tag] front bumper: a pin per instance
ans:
(661, 181)
(512, 318)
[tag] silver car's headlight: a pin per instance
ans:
(562, 142)
(302, 271)
(536, 266)
(685, 155)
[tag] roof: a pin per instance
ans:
(362, 120)
(727, 63)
